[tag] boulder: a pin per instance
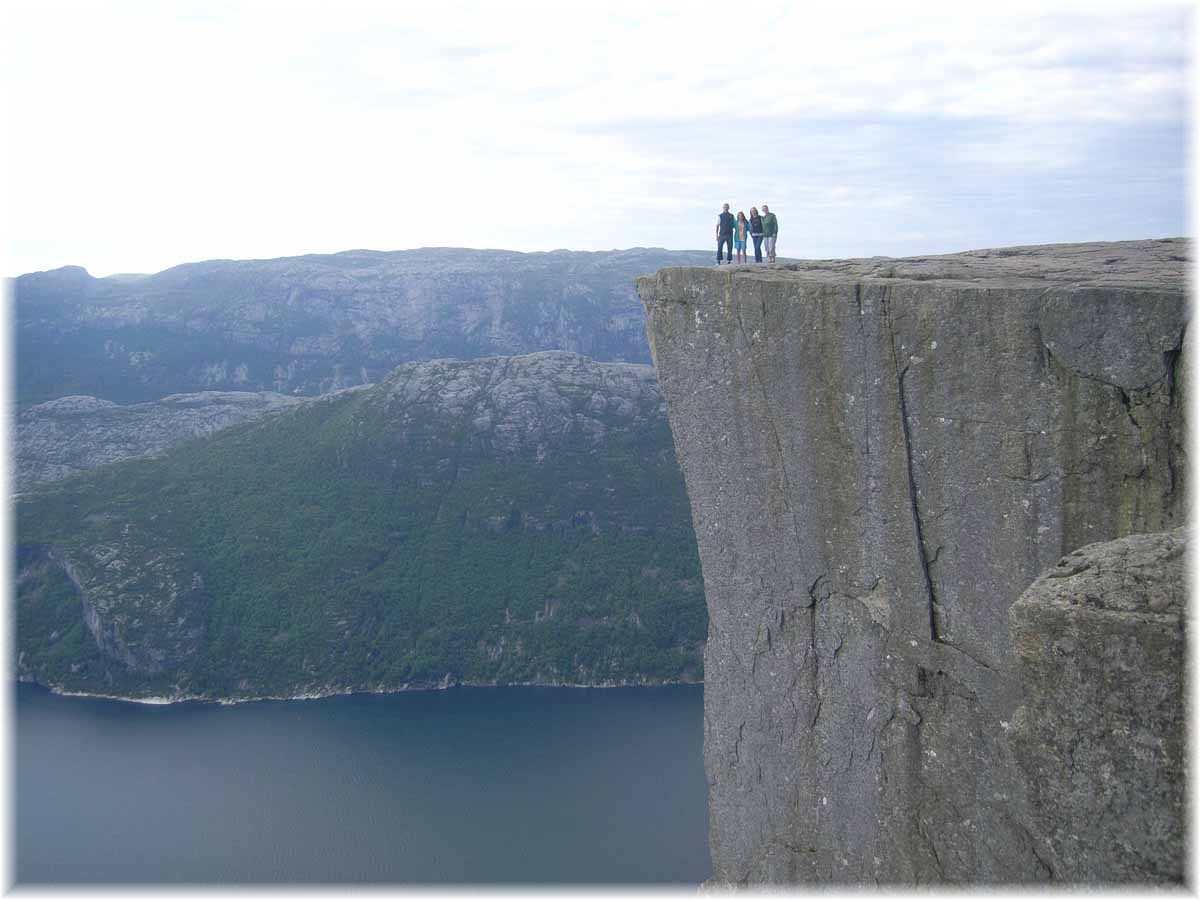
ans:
(1100, 643)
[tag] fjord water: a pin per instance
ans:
(468, 785)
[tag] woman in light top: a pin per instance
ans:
(741, 231)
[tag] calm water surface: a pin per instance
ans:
(506, 785)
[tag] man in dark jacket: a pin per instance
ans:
(725, 222)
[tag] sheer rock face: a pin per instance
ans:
(61, 438)
(881, 455)
(1100, 733)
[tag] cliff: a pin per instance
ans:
(881, 455)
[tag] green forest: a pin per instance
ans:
(354, 545)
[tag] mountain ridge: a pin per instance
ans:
(68, 268)
(307, 325)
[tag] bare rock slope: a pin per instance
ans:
(881, 455)
(61, 438)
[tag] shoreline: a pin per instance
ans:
(444, 685)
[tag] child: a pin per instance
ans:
(740, 233)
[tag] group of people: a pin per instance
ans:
(762, 230)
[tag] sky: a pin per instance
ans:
(146, 134)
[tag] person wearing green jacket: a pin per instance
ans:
(770, 232)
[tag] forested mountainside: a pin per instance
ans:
(311, 324)
(503, 520)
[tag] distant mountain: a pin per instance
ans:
(504, 520)
(311, 324)
(61, 438)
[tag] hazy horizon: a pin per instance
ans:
(243, 259)
(782, 258)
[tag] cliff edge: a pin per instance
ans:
(881, 455)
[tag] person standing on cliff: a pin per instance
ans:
(725, 234)
(756, 233)
(770, 232)
(741, 232)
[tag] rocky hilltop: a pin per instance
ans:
(64, 437)
(311, 324)
(881, 455)
(505, 520)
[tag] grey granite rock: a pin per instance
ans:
(1100, 642)
(523, 402)
(881, 455)
(61, 438)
